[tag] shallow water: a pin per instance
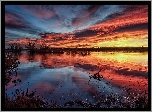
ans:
(65, 77)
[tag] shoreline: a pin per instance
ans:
(102, 49)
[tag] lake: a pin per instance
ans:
(65, 77)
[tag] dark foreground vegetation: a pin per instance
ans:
(11, 64)
(108, 101)
(25, 99)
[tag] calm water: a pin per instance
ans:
(65, 77)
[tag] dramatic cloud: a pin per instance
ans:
(78, 25)
(13, 20)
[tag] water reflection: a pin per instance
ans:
(55, 76)
(130, 61)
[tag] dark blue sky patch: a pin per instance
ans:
(142, 26)
(86, 33)
(14, 26)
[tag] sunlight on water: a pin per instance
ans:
(132, 61)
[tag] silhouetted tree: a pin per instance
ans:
(31, 46)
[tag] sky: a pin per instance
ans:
(78, 25)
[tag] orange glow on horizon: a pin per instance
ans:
(125, 39)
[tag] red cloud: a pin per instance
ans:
(11, 19)
(128, 18)
(80, 20)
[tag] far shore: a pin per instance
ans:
(102, 49)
